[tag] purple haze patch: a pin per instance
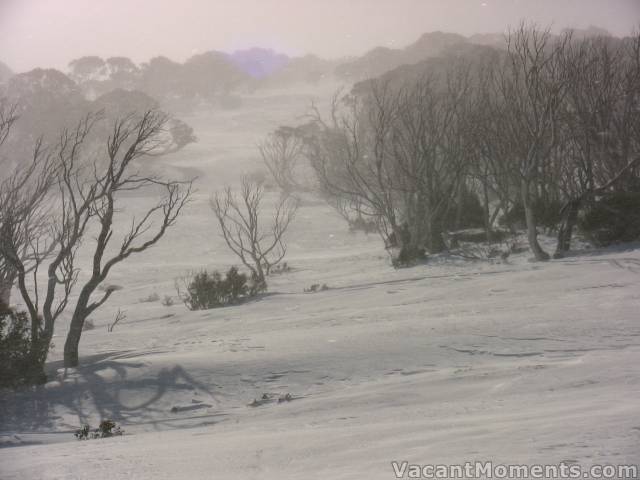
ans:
(259, 62)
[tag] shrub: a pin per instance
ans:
(316, 287)
(167, 301)
(88, 325)
(613, 218)
(206, 290)
(107, 428)
(20, 361)
(119, 317)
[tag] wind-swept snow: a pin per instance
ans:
(446, 362)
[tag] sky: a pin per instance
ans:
(50, 33)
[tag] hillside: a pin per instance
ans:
(446, 362)
(380, 60)
(5, 73)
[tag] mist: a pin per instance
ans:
(50, 33)
(319, 239)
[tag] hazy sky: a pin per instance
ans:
(50, 33)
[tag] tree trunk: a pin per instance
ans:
(488, 221)
(565, 231)
(80, 313)
(532, 226)
(73, 339)
(6, 285)
(8, 277)
(435, 242)
(459, 207)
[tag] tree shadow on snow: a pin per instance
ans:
(101, 387)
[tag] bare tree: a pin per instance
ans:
(601, 125)
(24, 190)
(119, 316)
(397, 155)
(131, 138)
(240, 219)
(524, 109)
(491, 164)
(86, 197)
(7, 272)
(431, 148)
(282, 152)
(351, 160)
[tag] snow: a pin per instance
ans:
(447, 362)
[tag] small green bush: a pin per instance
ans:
(20, 361)
(206, 290)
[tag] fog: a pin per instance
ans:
(319, 239)
(52, 32)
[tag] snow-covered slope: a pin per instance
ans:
(446, 362)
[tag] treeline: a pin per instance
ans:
(46, 101)
(546, 132)
(211, 76)
(204, 75)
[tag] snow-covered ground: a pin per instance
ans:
(446, 362)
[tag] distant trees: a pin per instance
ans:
(398, 157)
(161, 78)
(282, 153)
(258, 247)
(210, 76)
(123, 73)
(119, 103)
(87, 68)
(48, 101)
(97, 76)
(202, 77)
(538, 131)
